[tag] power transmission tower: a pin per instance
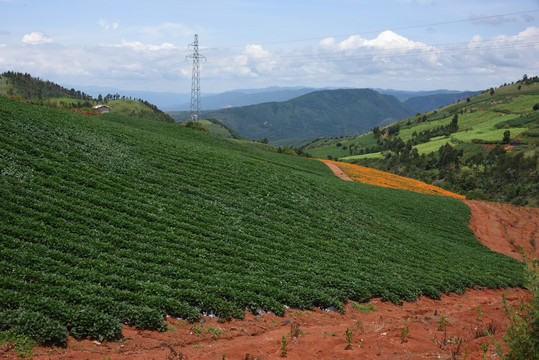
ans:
(195, 82)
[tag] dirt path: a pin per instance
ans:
(338, 172)
(377, 334)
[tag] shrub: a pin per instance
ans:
(522, 336)
(34, 325)
(89, 323)
(195, 125)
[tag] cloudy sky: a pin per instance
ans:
(399, 44)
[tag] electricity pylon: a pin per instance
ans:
(195, 82)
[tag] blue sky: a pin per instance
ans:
(400, 44)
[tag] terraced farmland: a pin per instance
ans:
(111, 219)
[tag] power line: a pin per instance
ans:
(382, 53)
(368, 32)
(195, 82)
(393, 29)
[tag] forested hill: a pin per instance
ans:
(26, 87)
(426, 103)
(485, 147)
(320, 113)
(31, 88)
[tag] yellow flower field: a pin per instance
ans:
(381, 178)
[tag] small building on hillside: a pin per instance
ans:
(102, 108)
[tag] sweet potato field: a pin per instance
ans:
(109, 219)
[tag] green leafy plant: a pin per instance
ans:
(349, 335)
(284, 344)
(367, 308)
(479, 313)
(442, 323)
(215, 332)
(197, 329)
(23, 345)
(522, 335)
(404, 332)
(295, 330)
(484, 349)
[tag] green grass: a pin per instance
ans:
(323, 147)
(109, 219)
(484, 121)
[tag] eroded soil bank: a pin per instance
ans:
(442, 329)
(505, 228)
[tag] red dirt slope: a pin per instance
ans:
(505, 228)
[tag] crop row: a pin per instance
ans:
(124, 220)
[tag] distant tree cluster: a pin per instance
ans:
(101, 98)
(495, 175)
(30, 88)
(529, 80)
(395, 144)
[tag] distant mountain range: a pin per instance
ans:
(172, 101)
(323, 113)
(295, 114)
(426, 103)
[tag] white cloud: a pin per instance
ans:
(256, 52)
(139, 46)
(36, 38)
(105, 24)
(386, 60)
(386, 40)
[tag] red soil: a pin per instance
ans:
(337, 171)
(506, 228)
(376, 335)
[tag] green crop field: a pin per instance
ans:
(479, 124)
(112, 219)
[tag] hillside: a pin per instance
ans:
(237, 98)
(109, 219)
(218, 128)
(26, 87)
(485, 147)
(320, 113)
(428, 103)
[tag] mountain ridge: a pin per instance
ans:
(320, 113)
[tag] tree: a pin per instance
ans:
(453, 127)
(393, 130)
(448, 155)
(506, 137)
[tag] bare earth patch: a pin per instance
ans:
(375, 335)
(505, 228)
(337, 171)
